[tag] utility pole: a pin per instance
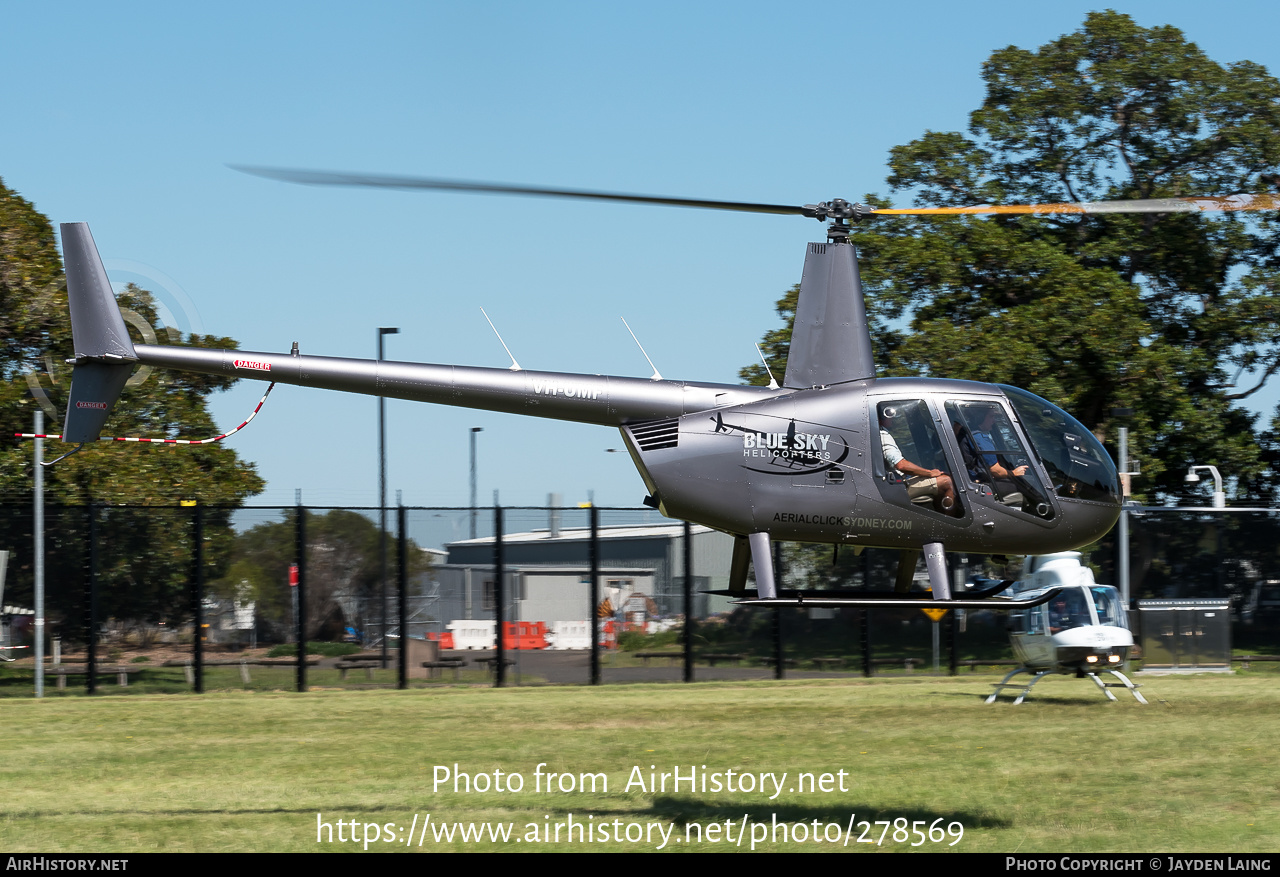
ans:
(474, 430)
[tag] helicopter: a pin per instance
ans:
(1083, 630)
(819, 458)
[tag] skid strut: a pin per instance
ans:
(1037, 675)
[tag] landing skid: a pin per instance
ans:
(899, 602)
(1123, 683)
(1040, 674)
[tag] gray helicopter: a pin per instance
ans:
(834, 455)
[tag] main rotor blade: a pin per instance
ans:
(1150, 205)
(383, 181)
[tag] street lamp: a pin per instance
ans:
(474, 430)
(382, 498)
(1219, 497)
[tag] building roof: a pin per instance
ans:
(583, 534)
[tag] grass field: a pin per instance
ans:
(1194, 771)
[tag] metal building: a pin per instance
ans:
(548, 572)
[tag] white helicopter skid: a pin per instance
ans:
(1037, 675)
(1123, 683)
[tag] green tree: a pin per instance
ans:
(1176, 316)
(343, 566)
(144, 563)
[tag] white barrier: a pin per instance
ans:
(473, 635)
(567, 635)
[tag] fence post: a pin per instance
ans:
(300, 558)
(864, 618)
(688, 602)
(865, 624)
(593, 612)
(197, 646)
(91, 674)
(953, 630)
(402, 590)
(499, 597)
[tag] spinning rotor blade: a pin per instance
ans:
(837, 209)
(1151, 205)
(383, 181)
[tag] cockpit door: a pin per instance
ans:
(908, 450)
(1000, 469)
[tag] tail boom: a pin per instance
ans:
(600, 399)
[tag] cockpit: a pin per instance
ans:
(1020, 454)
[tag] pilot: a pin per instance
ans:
(1001, 476)
(933, 483)
(1065, 612)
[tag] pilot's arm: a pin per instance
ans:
(987, 446)
(1001, 472)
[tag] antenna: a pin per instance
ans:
(515, 366)
(655, 376)
(773, 383)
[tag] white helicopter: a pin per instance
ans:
(1083, 629)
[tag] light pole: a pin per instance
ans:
(474, 430)
(1219, 497)
(382, 499)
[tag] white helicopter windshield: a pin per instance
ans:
(1068, 610)
(1077, 462)
(1106, 601)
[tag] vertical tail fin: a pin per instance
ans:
(104, 354)
(830, 343)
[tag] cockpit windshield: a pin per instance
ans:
(1106, 601)
(1068, 610)
(1077, 462)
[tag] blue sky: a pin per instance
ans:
(124, 115)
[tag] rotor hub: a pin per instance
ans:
(840, 212)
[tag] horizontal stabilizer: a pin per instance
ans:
(95, 387)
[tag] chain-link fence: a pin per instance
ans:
(155, 599)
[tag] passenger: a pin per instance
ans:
(933, 483)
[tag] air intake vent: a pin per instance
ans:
(818, 249)
(656, 434)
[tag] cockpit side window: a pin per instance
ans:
(996, 463)
(912, 462)
(1035, 620)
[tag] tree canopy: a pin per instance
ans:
(1176, 316)
(145, 562)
